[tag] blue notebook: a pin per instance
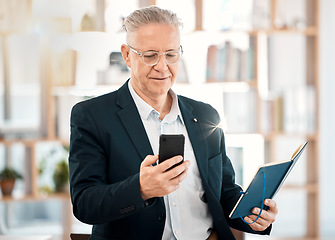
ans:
(273, 176)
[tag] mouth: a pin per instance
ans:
(160, 78)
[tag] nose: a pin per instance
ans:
(161, 64)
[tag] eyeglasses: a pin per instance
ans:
(151, 58)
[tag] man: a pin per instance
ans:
(116, 184)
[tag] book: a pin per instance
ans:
(266, 183)
(212, 56)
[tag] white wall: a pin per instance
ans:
(327, 117)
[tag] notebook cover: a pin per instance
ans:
(275, 175)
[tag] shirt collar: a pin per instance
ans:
(145, 109)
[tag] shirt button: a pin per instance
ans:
(174, 204)
(161, 217)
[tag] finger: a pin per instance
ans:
(264, 214)
(256, 225)
(266, 218)
(178, 170)
(178, 179)
(149, 160)
(272, 205)
(260, 225)
(263, 218)
(165, 165)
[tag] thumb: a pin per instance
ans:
(149, 160)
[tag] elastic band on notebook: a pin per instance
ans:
(263, 199)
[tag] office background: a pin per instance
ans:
(56, 53)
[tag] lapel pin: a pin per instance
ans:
(195, 120)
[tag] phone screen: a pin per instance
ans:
(171, 145)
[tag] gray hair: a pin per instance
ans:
(147, 15)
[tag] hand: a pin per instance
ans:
(155, 181)
(267, 217)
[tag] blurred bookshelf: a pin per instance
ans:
(258, 66)
(274, 66)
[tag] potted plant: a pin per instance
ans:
(61, 176)
(7, 180)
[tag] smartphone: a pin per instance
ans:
(171, 145)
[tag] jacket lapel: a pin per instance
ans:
(132, 122)
(196, 135)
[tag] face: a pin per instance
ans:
(152, 82)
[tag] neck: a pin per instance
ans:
(164, 106)
(161, 103)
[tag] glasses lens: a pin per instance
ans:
(150, 58)
(172, 57)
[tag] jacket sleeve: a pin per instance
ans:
(95, 200)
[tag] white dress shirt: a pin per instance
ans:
(187, 216)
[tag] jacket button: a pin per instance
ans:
(161, 217)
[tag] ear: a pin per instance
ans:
(125, 54)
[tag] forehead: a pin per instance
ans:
(159, 37)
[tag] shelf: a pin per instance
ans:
(308, 31)
(234, 86)
(307, 136)
(274, 135)
(31, 142)
(17, 237)
(310, 188)
(251, 82)
(40, 197)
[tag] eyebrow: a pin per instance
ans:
(164, 51)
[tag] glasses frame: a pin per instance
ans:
(159, 55)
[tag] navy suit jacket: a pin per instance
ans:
(108, 144)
